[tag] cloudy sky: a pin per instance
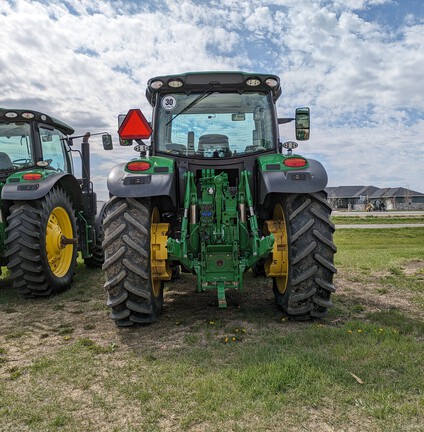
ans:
(358, 64)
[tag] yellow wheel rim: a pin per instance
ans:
(278, 264)
(156, 283)
(159, 269)
(59, 251)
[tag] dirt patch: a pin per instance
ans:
(375, 295)
(187, 312)
(35, 327)
(414, 268)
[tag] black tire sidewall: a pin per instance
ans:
(310, 255)
(127, 267)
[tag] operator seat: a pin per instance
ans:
(215, 141)
(5, 162)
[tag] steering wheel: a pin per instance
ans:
(216, 152)
(22, 161)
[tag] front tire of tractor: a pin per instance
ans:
(42, 244)
(133, 295)
(306, 295)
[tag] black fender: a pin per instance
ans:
(28, 191)
(135, 185)
(307, 180)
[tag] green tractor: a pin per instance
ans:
(215, 193)
(47, 215)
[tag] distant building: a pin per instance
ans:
(366, 197)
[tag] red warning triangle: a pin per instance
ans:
(134, 126)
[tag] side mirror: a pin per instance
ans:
(107, 142)
(122, 142)
(302, 124)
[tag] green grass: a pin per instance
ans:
(378, 249)
(386, 219)
(65, 367)
(308, 369)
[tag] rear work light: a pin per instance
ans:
(32, 176)
(138, 166)
(253, 82)
(175, 83)
(295, 162)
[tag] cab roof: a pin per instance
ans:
(27, 115)
(218, 81)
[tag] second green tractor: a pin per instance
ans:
(47, 214)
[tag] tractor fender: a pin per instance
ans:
(135, 185)
(28, 191)
(308, 180)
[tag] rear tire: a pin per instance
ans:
(311, 256)
(40, 263)
(132, 295)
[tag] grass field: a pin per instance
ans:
(370, 219)
(65, 367)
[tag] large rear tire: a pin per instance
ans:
(133, 295)
(305, 294)
(42, 244)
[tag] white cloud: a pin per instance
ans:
(359, 4)
(260, 19)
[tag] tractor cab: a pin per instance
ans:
(213, 115)
(30, 139)
(215, 124)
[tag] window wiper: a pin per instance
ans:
(199, 98)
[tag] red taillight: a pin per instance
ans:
(295, 162)
(32, 176)
(138, 166)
